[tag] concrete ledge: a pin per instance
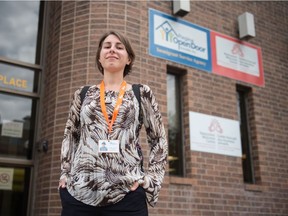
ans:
(254, 187)
(181, 180)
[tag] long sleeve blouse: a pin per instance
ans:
(100, 179)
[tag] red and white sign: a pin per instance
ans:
(236, 59)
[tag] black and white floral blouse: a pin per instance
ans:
(101, 179)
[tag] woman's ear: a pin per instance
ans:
(129, 61)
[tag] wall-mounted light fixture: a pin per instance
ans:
(246, 25)
(43, 145)
(181, 7)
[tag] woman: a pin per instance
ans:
(111, 183)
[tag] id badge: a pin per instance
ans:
(108, 146)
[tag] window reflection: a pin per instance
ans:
(16, 78)
(174, 125)
(243, 113)
(19, 28)
(15, 126)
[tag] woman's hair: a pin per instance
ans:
(126, 43)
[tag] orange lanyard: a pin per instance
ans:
(117, 106)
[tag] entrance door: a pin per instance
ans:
(20, 70)
(17, 132)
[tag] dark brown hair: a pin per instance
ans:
(126, 43)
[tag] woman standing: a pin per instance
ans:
(111, 182)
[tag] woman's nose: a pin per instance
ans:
(112, 49)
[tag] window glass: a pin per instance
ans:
(14, 190)
(16, 78)
(174, 125)
(247, 163)
(16, 129)
(19, 28)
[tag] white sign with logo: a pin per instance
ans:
(214, 134)
(179, 37)
(6, 178)
(236, 56)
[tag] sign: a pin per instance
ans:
(12, 129)
(179, 41)
(214, 135)
(236, 59)
(13, 81)
(182, 42)
(6, 178)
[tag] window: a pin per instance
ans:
(243, 105)
(175, 132)
(18, 78)
(19, 30)
(17, 117)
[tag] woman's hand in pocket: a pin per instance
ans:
(62, 183)
(134, 186)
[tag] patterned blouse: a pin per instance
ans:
(100, 179)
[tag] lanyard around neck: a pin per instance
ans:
(117, 106)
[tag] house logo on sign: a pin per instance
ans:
(167, 31)
(215, 126)
(168, 34)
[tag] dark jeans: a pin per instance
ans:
(133, 204)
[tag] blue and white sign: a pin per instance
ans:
(179, 41)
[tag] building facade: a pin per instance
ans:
(47, 51)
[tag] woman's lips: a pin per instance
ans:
(112, 57)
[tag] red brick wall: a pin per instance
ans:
(213, 184)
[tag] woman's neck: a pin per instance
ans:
(112, 82)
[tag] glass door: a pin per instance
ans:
(21, 26)
(17, 135)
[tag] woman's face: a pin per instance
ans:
(113, 55)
